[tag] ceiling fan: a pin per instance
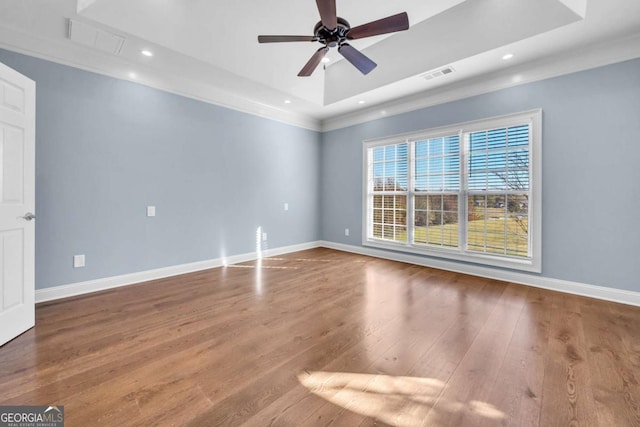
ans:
(334, 31)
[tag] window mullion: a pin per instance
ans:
(463, 193)
(370, 192)
(531, 219)
(410, 194)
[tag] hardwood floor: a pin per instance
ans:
(322, 337)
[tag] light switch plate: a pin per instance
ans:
(151, 211)
(286, 206)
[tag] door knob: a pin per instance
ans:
(29, 216)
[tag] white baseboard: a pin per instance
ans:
(566, 286)
(80, 288)
(576, 288)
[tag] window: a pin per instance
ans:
(469, 192)
(391, 171)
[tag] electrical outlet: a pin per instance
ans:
(346, 231)
(78, 261)
(264, 236)
(151, 211)
(286, 206)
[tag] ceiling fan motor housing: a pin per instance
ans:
(332, 38)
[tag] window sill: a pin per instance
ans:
(522, 264)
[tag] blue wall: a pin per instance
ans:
(591, 169)
(107, 148)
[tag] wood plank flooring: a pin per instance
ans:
(322, 337)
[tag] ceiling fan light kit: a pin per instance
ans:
(333, 31)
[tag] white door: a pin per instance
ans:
(17, 203)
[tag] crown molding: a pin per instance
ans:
(594, 56)
(94, 62)
(589, 57)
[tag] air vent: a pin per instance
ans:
(96, 38)
(438, 73)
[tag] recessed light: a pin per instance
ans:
(287, 101)
(133, 75)
(361, 101)
(507, 56)
(146, 52)
(326, 59)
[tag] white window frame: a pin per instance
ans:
(532, 263)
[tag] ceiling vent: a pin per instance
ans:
(96, 38)
(438, 73)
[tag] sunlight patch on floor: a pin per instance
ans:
(319, 260)
(395, 400)
(258, 278)
(298, 259)
(261, 266)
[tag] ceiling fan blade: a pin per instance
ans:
(328, 15)
(357, 58)
(280, 39)
(390, 24)
(310, 66)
